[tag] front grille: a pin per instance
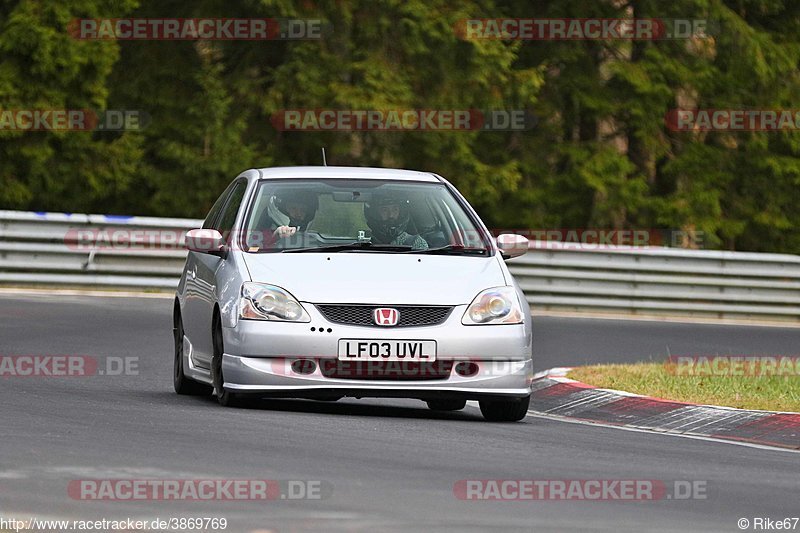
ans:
(386, 370)
(410, 315)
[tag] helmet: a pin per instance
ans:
(308, 200)
(387, 230)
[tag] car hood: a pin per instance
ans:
(377, 277)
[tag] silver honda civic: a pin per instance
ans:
(326, 282)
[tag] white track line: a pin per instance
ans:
(79, 292)
(668, 318)
(535, 313)
(558, 373)
(558, 418)
(536, 414)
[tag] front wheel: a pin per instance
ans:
(225, 397)
(505, 410)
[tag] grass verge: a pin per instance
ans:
(770, 393)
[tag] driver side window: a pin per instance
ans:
(228, 216)
(212, 216)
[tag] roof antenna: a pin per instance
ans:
(324, 161)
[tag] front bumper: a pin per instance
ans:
(258, 357)
(275, 377)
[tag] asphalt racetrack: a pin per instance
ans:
(388, 465)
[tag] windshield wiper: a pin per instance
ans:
(453, 249)
(352, 246)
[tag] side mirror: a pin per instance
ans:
(207, 241)
(512, 245)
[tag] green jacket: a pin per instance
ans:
(406, 239)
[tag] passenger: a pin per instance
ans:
(388, 217)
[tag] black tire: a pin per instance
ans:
(446, 405)
(225, 397)
(505, 410)
(182, 384)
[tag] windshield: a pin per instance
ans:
(359, 215)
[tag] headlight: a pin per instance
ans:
(494, 306)
(268, 302)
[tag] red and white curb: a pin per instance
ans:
(555, 395)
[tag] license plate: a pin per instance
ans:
(386, 350)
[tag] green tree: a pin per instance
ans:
(600, 154)
(43, 68)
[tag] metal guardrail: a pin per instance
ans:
(661, 281)
(47, 249)
(82, 250)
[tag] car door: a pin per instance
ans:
(193, 307)
(207, 267)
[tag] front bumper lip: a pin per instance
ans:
(274, 376)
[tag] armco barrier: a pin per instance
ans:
(39, 249)
(44, 249)
(661, 281)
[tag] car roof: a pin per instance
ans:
(350, 173)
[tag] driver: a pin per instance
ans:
(300, 207)
(388, 216)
